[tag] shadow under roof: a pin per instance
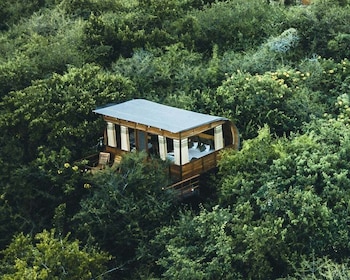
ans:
(153, 114)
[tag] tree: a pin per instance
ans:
(50, 256)
(319, 27)
(321, 268)
(220, 244)
(277, 99)
(45, 127)
(57, 112)
(240, 172)
(295, 188)
(41, 45)
(125, 208)
(172, 72)
(11, 12)
(235, 25)
(198, 246)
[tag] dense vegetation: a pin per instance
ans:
(276, 209)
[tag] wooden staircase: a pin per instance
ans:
(186, 187)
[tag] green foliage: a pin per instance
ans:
(99, 37)
(58, 112)
(111, 35)
(125, 207)
(319, 30)
(198, 246)
(260, 249)
(283, 201)
(275, 98)
(44, 183)
(12, 11)
(272, 55)
(44, 44)
(186, 29)
(234, 25)
(174, 71)
(16, 74)
(339, 46)
(48, 256)
(163, 11)
(45, 126)
(303, 186)
(10, 221)
(220, 244)
(241, 171)
(328, 75)
(84, 8)
(321, 268)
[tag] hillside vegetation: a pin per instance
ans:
(276, 209)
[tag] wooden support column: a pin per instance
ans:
(162, 147)
(124, 137)
(218, 138)
(111, 135)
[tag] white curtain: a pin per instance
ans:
(124, 138)
(183, 151)
(162, 147)
(218, 138)
(111, 136)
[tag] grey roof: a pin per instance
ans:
(157, 115)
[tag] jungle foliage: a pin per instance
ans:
(277, 209)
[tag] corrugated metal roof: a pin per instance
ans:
(157, 115)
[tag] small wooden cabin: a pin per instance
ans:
(190, 141)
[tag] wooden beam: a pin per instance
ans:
(157, 131)
(206, 136)
(197, 130)
(142, 127)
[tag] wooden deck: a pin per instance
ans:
(185, 178)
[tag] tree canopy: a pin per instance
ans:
(276, 209)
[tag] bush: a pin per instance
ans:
(235, 25)
(44, 44)
(301, 182)
(319, 27)
(57, 112)
(160, 74)
(125, 208)
(276, 98)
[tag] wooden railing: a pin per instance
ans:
(194, 167)
(185, 187)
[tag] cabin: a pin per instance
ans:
(190, 141)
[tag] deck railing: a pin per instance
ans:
(194, 167)
(185, 187)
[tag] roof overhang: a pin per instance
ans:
(157, 118)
